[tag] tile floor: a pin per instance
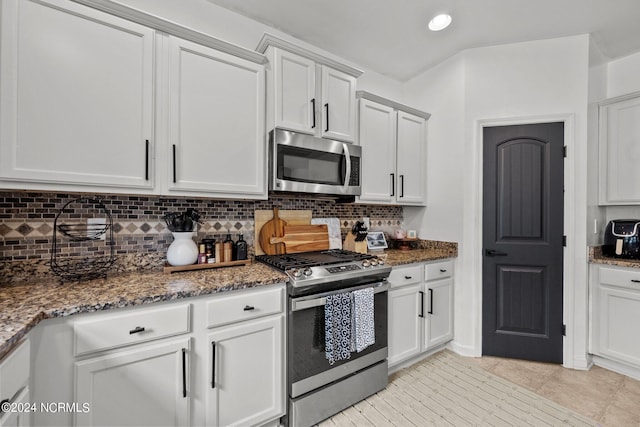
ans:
(607, 397)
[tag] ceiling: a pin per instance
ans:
(391, 36)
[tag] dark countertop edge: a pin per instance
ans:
(596, 257)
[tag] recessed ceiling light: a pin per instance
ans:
(440, 22)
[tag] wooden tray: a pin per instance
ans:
(168, 269)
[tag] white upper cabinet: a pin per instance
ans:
(620, 150)
(411, 159)
(308, 92)
(217, 131)
(394, 151)
(77, 97)
(294, 89)
(377, 138)
(338, 105)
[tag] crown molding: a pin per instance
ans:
(393, 104)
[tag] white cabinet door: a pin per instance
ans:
(77, 93)
(405, 323)
(377, 136)
(619, 317)
(294, 92)
(20, 418)
(620, 151)
(247, 380)
(217, 134)
(411, 160)
(438, 312)
(338, 103)
(145, 386)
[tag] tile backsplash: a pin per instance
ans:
(139, 232)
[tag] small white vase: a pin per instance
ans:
(183, 250)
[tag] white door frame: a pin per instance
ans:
(568, 310)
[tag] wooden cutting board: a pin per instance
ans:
(273, 227)
(303, 238)
(291, 217)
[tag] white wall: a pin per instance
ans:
(526, 81)
(232, 27)
(622, 76)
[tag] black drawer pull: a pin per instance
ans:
(635, 280)
(184, 372)
(408, 277)
(249, 308)
(213, 364)
(136, 330)
(430, 301)
(442, 270)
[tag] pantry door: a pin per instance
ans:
(523, 195)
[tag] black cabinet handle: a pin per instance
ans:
(408, 277)
(184, 372)
(249, 308)
(146, 160)
(393, 184)
(136, 330)
(430, 301)
(326, 106)
(635, 281)
(421, 304)
(313, 113)
(174, 163)
(401, 185)
(493, 252)
(213, 364)
(443, 270)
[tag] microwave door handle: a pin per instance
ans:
(347, 174)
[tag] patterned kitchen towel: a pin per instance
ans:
(363, 319)
(337, 323)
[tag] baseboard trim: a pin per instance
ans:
(464, 350)
(621, 368)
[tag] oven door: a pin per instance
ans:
(308, 367)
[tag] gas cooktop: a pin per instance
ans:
(308, 269)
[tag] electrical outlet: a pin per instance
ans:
(366, 222)
(95, 222)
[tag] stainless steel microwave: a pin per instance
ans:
(307, 164)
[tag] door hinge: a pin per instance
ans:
(564, 241)
(564, 151)
(564, 330)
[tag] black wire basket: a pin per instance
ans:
(73, 229)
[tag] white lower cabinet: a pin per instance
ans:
(156, 365)
(145, 386)
(420, 309)
(14, 387)
(615, 309)
(247, 373)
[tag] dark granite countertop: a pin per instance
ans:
(596, 257)
(25, 304)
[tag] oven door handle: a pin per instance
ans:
(303, 304)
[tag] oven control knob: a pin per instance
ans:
(307, 271)
(373, 262)
(380, 261)
(296, 273)
(366, 263)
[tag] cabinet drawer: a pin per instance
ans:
(126, 328)
(14, 371)
(438, 270)
(244, 306)
(401, 276)
(618, 277)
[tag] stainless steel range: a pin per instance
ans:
(318, 388)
